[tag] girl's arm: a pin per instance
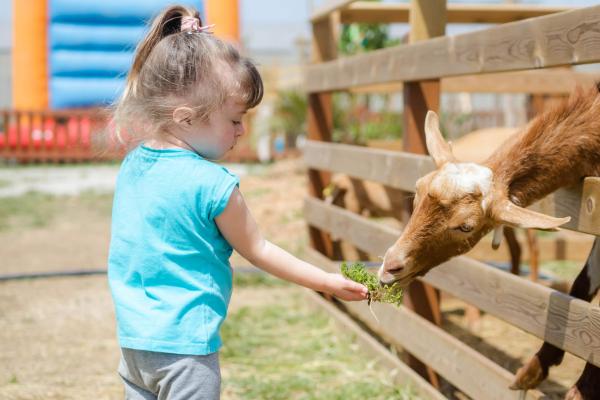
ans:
(241, 231)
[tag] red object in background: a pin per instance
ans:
(27, 136)
(24, 131)
(72, 131)
(37, 134)
(85, 127)
(3, 125)
(61, 136)
(49, 126)
(12, 136)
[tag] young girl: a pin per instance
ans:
(177, 215)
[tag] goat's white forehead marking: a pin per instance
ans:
(462, 178)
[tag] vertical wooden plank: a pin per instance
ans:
(320, 124)
(427, 20)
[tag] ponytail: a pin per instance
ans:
(165, 24)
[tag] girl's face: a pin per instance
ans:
(215, 137)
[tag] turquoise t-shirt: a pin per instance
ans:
(168, 266)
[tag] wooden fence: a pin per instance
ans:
(564, 38)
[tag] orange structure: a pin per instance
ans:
(225, 15)
(30, 66)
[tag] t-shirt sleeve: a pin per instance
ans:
(222, 192)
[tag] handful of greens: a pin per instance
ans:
(384, 294)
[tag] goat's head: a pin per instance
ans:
(454, 207)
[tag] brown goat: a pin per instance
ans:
(456, 205)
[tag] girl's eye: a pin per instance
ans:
(237, 122)
(466, 228)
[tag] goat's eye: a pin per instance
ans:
(466, 228)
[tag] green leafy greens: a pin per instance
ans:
(385, 294)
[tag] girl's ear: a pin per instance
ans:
(183, 116)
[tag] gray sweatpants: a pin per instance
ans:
(157, 376)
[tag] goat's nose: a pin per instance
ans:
(393, 266)
(386, 276)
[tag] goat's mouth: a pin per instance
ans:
(402, 280)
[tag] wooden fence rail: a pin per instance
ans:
(374, 13)
(550, 41)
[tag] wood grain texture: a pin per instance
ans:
(369, 12)
(581, 203)
(566, 38)
(553, 81)
(399, 170)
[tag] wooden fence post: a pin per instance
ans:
(427, 20)
(320, 124)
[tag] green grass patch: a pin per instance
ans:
(37, 210)
(31, 210)
(291, 216)
(252, 279)
(256, 193)
(99, 202)
(287, 350)
(564, 269)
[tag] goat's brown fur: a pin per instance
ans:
(557, 149)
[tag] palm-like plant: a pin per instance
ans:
(290, 109)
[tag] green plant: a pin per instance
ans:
(385, 294)
(290, 112)
(354, 120)
(362, 37)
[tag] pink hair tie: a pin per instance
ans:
(192, 25)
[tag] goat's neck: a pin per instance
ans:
(557, 149)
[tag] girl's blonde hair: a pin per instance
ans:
(172, 68)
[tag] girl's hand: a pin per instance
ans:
(345, 289)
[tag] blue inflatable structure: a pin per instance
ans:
(91, 47)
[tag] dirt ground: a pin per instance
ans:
(57, 335)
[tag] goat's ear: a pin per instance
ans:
(508, 213)
(438, 148)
